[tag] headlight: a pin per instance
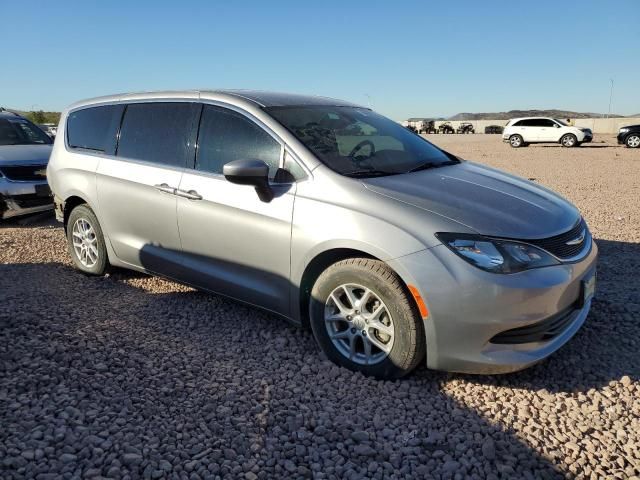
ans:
(496, 255)
(624, 130)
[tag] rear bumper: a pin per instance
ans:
(469, 308)
(22, 198)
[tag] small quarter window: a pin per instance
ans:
(92, 128)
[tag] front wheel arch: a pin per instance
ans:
(314, 269)
(324, 260)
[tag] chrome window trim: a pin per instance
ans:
(95, 153)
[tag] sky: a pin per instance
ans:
(402, 58)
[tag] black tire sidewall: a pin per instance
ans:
(84, 212)
(394, 365)
(566, 135)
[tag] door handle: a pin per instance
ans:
(163, 187)
(191, 194)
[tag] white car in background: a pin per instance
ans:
(520, 132)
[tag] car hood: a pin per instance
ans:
(486, 200)
(24, 154)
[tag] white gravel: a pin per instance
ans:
(130, 376)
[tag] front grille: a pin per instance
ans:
(538, 332)
(558, 245)
(25, 172)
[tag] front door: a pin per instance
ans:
(548, 130)
(234, 243)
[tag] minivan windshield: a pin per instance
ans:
(19, 131)
(357, 142)
(560, 122)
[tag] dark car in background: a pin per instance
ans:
(629, 136)
(24, 155)
(493, 129)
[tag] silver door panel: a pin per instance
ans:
(139, 217)
(235, 244)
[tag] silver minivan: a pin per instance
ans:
(393, 251)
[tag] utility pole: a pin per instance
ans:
(610, 97)
(368, 99)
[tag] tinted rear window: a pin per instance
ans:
(158, 132)
(92, 128)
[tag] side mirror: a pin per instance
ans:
(556, 125)
(250, 172)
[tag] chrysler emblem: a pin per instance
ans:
(41, 173)
(578, 240)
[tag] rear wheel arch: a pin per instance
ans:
(69, 204)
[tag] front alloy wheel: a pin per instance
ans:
(359, 324)
(364, 319)
(569, 140)
(633, 141)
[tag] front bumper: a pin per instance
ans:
(468, 307)
(21, 198)
(622, 137)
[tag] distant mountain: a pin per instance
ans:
(527, 113)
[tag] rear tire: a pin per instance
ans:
(516, 141)
(85, 241)
(569, 140)
(348, 301)
(633, 141)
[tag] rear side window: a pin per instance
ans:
(226, 136)
(158, 132)
(545, 122)
(93, 128)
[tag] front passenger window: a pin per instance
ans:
(226, 136)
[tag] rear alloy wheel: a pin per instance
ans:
(633, 141)
(569, 140)
(515, 141)
(86, 242)
(364, 320)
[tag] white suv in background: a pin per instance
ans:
(520, 132)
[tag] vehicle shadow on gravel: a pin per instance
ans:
(102, 378)
(606, 348)
(42, 219)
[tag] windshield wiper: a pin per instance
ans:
(428, 165)
(369, 173)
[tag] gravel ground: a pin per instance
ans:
(131, 376)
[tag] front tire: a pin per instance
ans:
(569, 140)
(86, 241)
(516, 141)
(633, 141)
(363, 319)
